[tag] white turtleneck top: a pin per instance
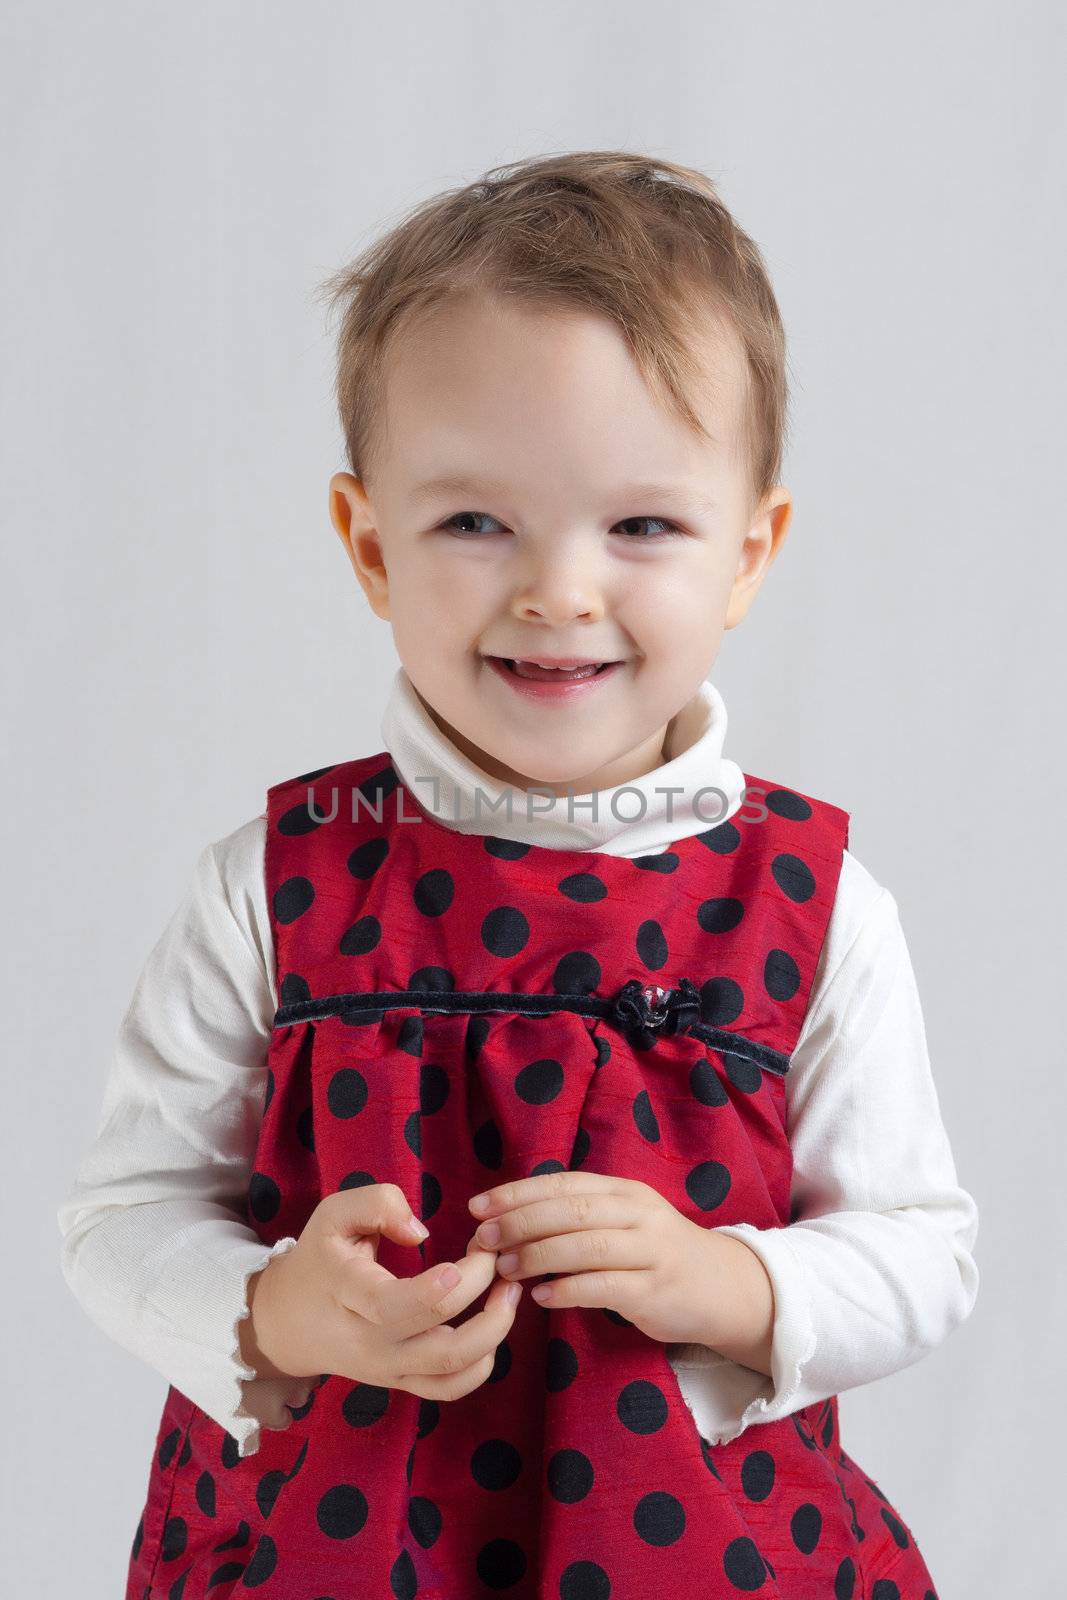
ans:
(875, 1271)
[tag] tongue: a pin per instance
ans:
(527, 669)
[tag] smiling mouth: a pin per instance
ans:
(531, 670)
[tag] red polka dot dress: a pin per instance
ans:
(457, 1010)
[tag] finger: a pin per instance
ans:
(598, 1250)
(544, 1185)
(446, 1351)
(617, 1290)
(375, 1208)
(403, 1306)
(565, 1214)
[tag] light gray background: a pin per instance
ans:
(182, 628)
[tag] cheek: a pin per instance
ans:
(435, 615)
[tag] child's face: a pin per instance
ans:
(544, 417)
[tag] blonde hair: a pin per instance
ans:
(645, 242)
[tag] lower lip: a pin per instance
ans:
(549, 689)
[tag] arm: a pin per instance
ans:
(155, 1247)
(876, 1268)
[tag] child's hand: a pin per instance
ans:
(624, 1246)
(327, 1305)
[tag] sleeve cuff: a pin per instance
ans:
(738, 1395)
(254, 1403)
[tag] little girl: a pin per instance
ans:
(547, 993)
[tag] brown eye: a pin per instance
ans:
(630, 522)
(466, 516)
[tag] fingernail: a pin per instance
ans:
(480, 1202)
(448, 1277)
(512, 1293)
(419, 1229)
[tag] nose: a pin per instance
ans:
(560, 587)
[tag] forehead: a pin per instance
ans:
(559, 382)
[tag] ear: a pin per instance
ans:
(353, 517)
(759, 549)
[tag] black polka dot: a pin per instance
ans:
(645, 1118)
(424, 1520)
(292, 898)
(584, 1580)
(579, 1149)
(706, 1086)
(366, 858)
(659, 1518)
(506, 849)
(476, 1035)
(781, 975)
(757, 1474)
(723, 839)
(540, 1082)
(576, 973)
(378, 786)
(489, 1145)
(570, 1476)
(707, 1184)
(175, 1538)
(665, 862)
(430, 1193)
(361, 937)
(585, 887)
(264, 1197)
(885, 1589)
(437, 979)
(357, 1180)
(409, 1037)
(642, 1407)
(263, 1562)
(342, 1511)
(845, 1580)
(793, 876)
(433, 1088)
(501, 1362)
(434, 892)
(561, 1365)
(896, 1528)
(413, 1132)
(319, 772)
(720, 915)
(205, 1494)
(302, 819)
(805, 1526)
(294, 990)
(785, 803)
(743, 1565)
(501, 1563)
(403, 1580)
(346, 1092)
(495, 1464)
(652, 945)
(268, 1489)
(167, 1447)
(743, 1073)
(505, 931)
(365, 1404)
(721, 1002)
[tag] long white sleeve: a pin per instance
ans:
(155, 1248)
(876, 1268)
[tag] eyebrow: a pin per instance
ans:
(665, 493)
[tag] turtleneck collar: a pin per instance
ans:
(638, 818)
